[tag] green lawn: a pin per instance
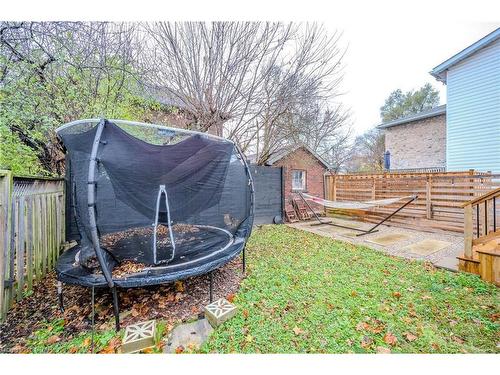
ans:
(306, 293)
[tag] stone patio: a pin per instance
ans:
(395, 241)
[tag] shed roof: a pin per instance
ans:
(436, 111)
(439, 72)
(287, 151)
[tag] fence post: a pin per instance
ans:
(21, 216)
(468, 231)
(29, 242)
(5, 214)
(373, 188)
(334, 188)
(428, 198)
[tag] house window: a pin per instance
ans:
(298, 180)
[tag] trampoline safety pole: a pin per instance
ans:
(60, 296)
(244, 260)
(116, 309)
(92, 291)
(211, 286)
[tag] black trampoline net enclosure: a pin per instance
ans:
(152, 204)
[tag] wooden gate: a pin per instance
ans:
(33, 229)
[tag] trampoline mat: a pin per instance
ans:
(216, 249)
(192, 242)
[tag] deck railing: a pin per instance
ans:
(32, 231)
(482, 237)
(481, 219)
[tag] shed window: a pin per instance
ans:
(298, 180)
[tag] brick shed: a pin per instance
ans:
(303, 170)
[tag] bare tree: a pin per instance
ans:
(248, 81)
(265, 85)
(212, 71)
(368, 152)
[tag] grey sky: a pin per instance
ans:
(384, 56)
(392, 44)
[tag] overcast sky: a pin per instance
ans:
(391, 43)
(386, 56)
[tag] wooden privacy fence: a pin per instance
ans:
(33, 228)
(441, 195)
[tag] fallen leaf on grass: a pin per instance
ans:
(245, 313)
(495, 317)
(424, 297)
(383, 350)
(160, 345)
(18, 349)
(113, 344)
(53, 339)
(435, 346)
(366, 342)
(361, 326)
(390, 339)
(230, 297)
(354, 293)
(396, 295)
(179, 349)
(249, 338)
(410, 336)
(457, 339)
(297, 331)
(86, 342)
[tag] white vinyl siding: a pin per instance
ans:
(298, 180)
(473, 112)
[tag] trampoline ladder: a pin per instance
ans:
(162, 191)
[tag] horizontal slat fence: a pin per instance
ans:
(32, 215)
(440, 196)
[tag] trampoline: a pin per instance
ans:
(152, 204)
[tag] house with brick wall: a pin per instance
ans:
(417, 141)
(303, 170)
(464, 134)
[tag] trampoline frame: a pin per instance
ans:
(91, 201)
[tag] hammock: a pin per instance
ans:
(352, 205)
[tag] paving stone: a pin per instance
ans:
(427, 247)
(138, 337)
(456, 240)
(188, 336)
(389, 239)
(449, 263)
(219, 311)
